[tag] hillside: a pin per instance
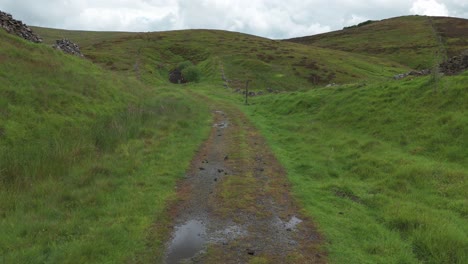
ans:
(382, 167)
(410, 40)
(268, 63)
(98, 154)
(78, 173)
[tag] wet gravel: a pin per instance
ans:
(275, 231)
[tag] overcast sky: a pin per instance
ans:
(268, 18)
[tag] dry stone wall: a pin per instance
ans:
(452, 66)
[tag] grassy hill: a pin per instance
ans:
(90, 149)
(382, 167)
(410, 40)
(268, 63)
(88, 159)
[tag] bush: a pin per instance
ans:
(191, 74)
(183, 65)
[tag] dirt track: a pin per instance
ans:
(234, 205)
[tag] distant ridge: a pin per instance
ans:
(409, 40)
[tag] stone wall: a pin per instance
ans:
(17, 27)
(452, 66)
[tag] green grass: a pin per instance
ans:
(407, 40)
(88, 159)
(269, 63)
(381, 167)
(90, 149)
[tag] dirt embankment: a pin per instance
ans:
(235, 206)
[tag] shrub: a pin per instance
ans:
(183, 65)
(191, 74)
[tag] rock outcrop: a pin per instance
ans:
(67, 46)
(175, 76)
(17, 27)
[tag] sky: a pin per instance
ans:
(276, 19)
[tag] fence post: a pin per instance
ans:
(247, 92)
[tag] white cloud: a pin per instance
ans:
(354, 20)
(429, 8)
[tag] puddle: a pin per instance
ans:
(188, 240)
(221, 125)
(292, 223)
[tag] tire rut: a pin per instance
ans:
(234, 204)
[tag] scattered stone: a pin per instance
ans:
(451, 66)
(67, 46)
(455, 64)
(226, 157)
(220, 170)
(201, 168)
(412, 73)
(16, 27)
(251, 252)
(215, 179)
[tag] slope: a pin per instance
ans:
(382, 167)
(268, 63)
(409, 40)
(88, 159)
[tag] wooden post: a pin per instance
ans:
(247, 92)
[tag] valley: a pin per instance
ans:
(103, 160)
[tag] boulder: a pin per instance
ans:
(175, 76)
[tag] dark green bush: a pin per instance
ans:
(191, 74)
(183, 65)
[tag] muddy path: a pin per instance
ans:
(234, 205)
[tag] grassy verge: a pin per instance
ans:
(88, 159)
(380, 167)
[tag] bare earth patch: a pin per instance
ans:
(234, 205)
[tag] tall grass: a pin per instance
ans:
(88, 159)
(380, 166)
